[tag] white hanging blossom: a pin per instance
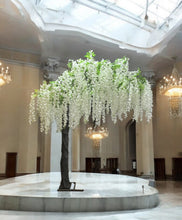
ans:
(93, 88)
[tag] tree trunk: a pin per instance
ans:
(65, 182)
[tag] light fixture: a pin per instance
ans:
(171, 86)
(97, 132)
(5, 76)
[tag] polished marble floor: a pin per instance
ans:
(170, 208)
(94, 185)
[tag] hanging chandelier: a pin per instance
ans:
(97, 132)
(5, 76)
(171, 86)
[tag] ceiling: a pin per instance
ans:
(19, 32)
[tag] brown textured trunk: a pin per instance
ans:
(65, 182)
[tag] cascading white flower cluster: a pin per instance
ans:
(93, 88)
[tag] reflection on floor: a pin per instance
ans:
(102, 192)
(170, 207)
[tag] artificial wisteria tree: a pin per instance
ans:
(90, 88)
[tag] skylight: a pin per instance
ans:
(155, 11)
(138, 23)
(155, 8)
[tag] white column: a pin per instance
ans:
(144, 148)
(56, 142)
(56, 146)
(76, 149)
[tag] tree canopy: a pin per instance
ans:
(95, 88)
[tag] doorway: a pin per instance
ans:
(93, 165)
(38, 165)
(112, 164)
(11, 161)
(159, 164)
(177, 168)
(131, 147)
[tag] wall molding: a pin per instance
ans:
(19, 57)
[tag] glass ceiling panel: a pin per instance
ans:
(131, 7)
(128, 21)
(81, 12)
(158, 10)
(56, 5)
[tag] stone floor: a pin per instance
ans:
(170, 208)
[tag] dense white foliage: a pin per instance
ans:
(93, 88)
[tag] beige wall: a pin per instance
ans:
(117, 146)
(167, 131)
(109, 146)
(114, 146)
(16, 135)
